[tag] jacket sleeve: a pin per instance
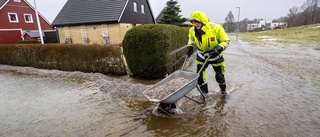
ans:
(223, 38)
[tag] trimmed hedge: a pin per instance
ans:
(85, 58)
(147, 49)
(27, 42)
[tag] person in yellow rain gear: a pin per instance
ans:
(210, 40)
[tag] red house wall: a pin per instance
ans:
(20, 8)
(27, 37)
(10, 37)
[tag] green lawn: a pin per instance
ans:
(308, 35)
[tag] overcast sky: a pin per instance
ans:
(216, 10)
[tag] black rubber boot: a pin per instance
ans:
(223, 91)
(204, 88)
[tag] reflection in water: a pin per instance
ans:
(45, 107)
(198, 120)
(219, 106)
(38, 106)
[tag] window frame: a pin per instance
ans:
(142, 9)
(135, 6)
(25, 19)
(15, 14)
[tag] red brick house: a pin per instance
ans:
(17, 17)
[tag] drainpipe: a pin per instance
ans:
(39, 26)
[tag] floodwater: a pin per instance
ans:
(274, 91)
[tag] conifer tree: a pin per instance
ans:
(171, 14)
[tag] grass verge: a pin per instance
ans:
(308, 35)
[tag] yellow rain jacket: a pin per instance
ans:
(214, 34)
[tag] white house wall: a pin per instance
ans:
(254, 26)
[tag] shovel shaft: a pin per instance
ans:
(205, 62)
(184, 63)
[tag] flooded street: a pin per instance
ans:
(274, 91)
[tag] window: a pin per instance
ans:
(84, 35)
(13, 17)
(135, 7)
(142, 8)
(104, 34)
(28, 18)
(16, 0)
(67, 35)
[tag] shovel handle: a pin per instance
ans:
(185, 60)
(205, 62)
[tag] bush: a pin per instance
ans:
(27, 42)
(85, 58)
(147, 49)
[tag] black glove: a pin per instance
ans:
(190, 50)
(216, 51)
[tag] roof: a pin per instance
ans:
(160, 16)
(89, 11)
(34, 34)
(2, 3)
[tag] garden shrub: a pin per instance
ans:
(147, 49)
(75, 57)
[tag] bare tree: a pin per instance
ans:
(292, 16)
(293, 11)
(243, 25)
(229, 25)
(309, 12)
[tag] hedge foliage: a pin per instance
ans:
(147, 49)
(27, 42)
(85, 58)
